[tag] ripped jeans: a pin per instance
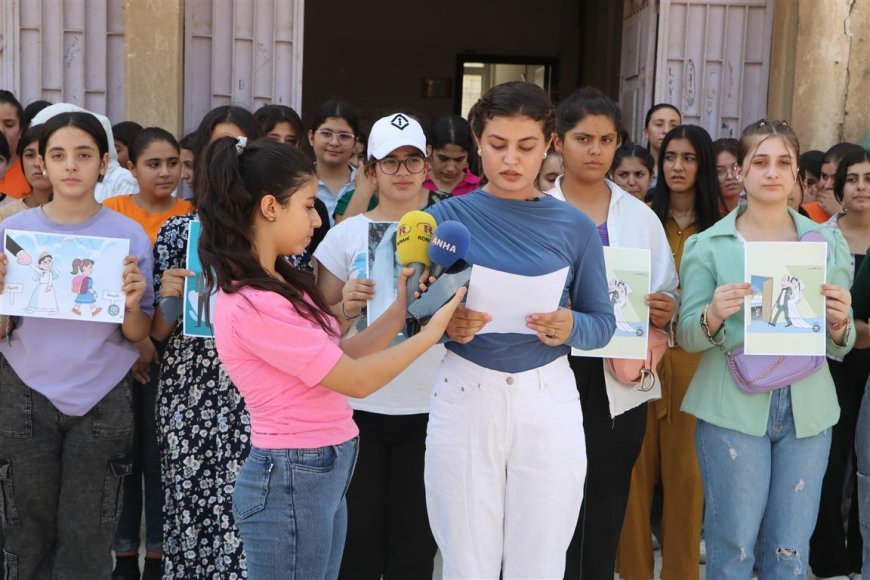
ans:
(762, 495)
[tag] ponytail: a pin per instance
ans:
(236, 177)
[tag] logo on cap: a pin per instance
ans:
(400, 121)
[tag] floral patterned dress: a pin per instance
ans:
(204, 436)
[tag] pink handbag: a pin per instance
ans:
(641, 372)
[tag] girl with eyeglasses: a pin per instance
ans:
(762, 456)
(388, 527)
(725, 151)
(332, 137)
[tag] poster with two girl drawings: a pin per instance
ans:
(62, 276)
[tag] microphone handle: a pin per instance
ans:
(414, 281)
(436, 270)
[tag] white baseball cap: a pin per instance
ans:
(394, 131)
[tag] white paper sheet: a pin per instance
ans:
(510, 298)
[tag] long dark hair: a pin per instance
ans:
(7, 98)
(80, 120)
(633, 152)
(586, 102)
(708, 199)
(339, 110)
(850, 159)
(144, 137)
(234, 184)
(238, 116)
(270, 115)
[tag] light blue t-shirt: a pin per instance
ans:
(76, 363)
(533, 238)
(329, 199)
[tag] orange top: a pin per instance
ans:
(151, 222)
(816, 213)
(14, 184)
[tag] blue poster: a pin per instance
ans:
(198, 302)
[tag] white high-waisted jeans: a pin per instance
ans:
(505, 468)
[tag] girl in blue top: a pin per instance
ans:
(762, 456)
(505, 449)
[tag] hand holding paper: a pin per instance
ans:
(466, 323)
(134, 283)
(509, 299)
(553, 328)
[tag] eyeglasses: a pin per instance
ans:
(390, 165)
(723, 171)
(343, 137)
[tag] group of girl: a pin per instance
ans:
(255, 438)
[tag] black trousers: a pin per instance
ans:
(835, 550)
(388, 532)
(612, 446)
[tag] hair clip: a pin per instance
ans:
(241, 143)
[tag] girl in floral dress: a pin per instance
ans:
(203, 427)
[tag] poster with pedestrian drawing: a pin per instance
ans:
(64, 276)
(198, 302)
(785, 315)
(628, 283)
(383, 267)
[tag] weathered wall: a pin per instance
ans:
(822, 84)
(155, 48)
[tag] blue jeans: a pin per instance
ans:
(762, 495)
(862, 449)
(289, 506)
(146, 473)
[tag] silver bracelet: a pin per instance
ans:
(344, 313)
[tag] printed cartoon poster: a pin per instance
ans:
(64, 276)
(785, 315)
(628, 283)
(382, 266)
(198, 302)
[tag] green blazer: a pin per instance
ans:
(715, 257)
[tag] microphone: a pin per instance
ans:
(449, 245)
(412, 245)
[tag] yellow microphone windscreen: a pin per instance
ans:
(413, 236)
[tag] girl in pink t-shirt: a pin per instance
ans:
(281, 346)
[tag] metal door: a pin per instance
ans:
(70, 51)
(637, 63)
(241, 52)
(713, 60)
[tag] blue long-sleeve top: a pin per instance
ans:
(533, 238)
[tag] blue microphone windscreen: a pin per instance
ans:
(449, 244)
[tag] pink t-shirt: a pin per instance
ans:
(277, 359)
